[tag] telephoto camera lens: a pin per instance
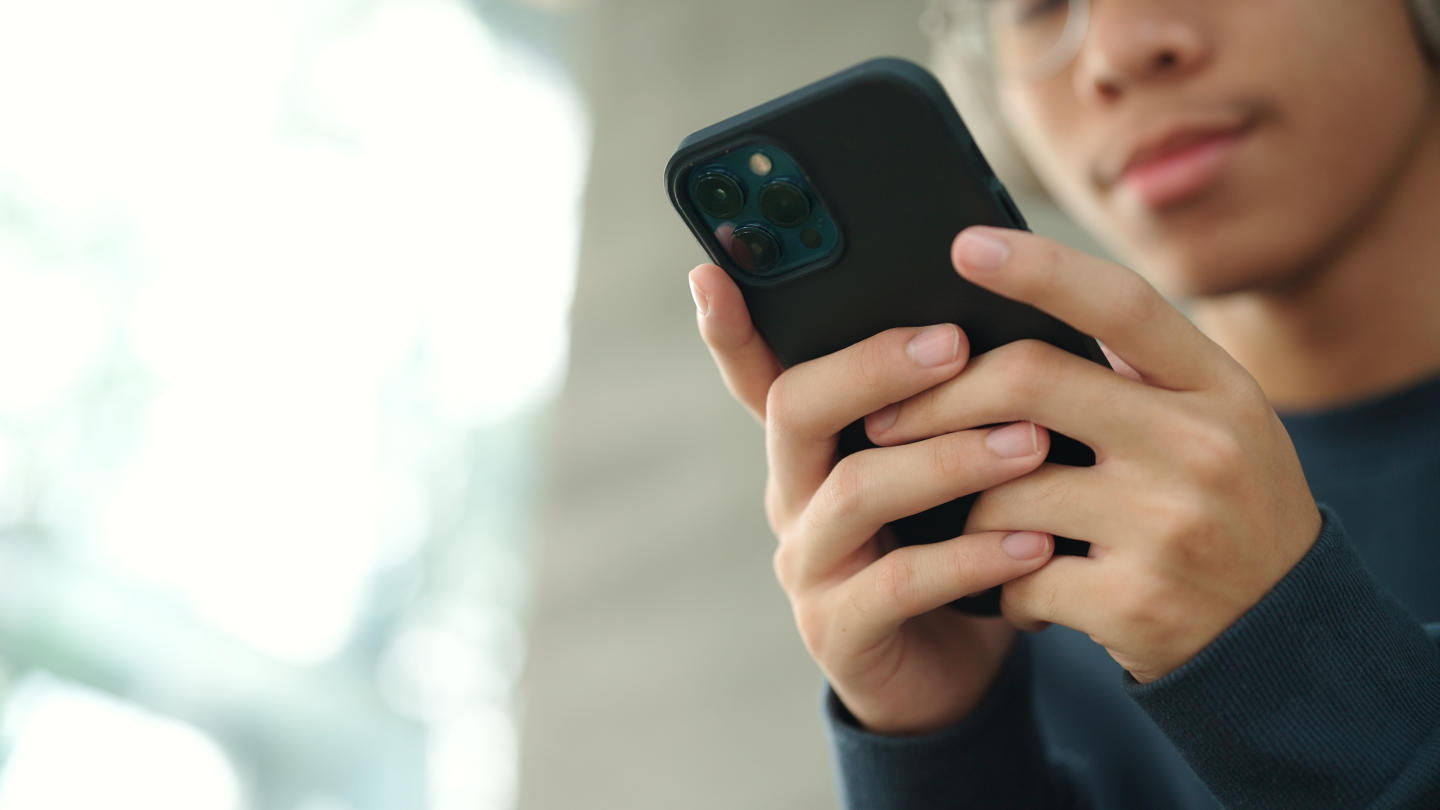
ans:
(754, 249)
(784, 204)
(719, 195)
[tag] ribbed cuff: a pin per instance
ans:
(1321, 695)
(994, 757)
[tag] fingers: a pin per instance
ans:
(746, 363)
(1028, 380)
(1065, 587)
(1076, 502)
(1097, 297)
(811, 402)
(913, 580)
(870, 488)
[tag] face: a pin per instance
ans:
(1228, 145)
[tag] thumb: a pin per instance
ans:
(746, 363)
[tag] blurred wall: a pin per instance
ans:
(664, 670)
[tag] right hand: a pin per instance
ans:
(867, 611)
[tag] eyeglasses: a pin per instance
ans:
(1030, 39)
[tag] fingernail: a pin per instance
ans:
(702, 301)
(935, 346)
(981, 251)
(1024, 545)
(884, 419)
(1014, 441)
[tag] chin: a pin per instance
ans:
(1222, 250)
(1190, 277)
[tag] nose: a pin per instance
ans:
(1137, 43)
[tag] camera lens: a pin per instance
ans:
(754, 249)
(719, 195)
(784, 204)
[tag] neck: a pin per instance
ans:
(1363, 321)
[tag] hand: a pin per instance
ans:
(866, 612)
(1197, 505)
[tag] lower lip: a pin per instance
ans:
(1184, 174)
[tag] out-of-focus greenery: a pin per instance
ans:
(269, 388)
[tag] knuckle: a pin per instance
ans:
(1141, 602)
(1214, 453)
(845, 489)
(924, 409)
(1179, 516)
(784, 565)
(951, 457)
(780, 562)
(1026, 600)
(1045, 600)
(1186, 540)
(780, 412)
(1017, 603)
(812, 622)
(896, 580)
(871, 361)
(1026, 364)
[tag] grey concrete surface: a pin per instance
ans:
(663, 670)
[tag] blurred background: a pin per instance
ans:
(357, 449)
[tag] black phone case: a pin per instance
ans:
(882, 145)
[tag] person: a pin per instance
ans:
(1254, 624)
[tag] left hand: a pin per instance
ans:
(1197, 505)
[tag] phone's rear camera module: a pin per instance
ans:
(784, 204)
(719, 195)
(754, 249)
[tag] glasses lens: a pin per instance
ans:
(1027, 37)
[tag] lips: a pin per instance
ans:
(1175, 162)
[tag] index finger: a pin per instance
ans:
(1097, 297)
(746, 364)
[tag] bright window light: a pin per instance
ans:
(76, 749)
(267, 271)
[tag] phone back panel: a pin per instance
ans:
(882, 146)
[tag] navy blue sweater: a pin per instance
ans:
(1325, 694)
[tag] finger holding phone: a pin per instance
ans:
(833, 286)
(866, 611)
(1197, 504)
(832, 297)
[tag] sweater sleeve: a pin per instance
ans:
(1324, 694)
(995, 757)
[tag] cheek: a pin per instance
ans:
(1347, 125)
(1321, 162)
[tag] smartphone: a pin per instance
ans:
(833, 208)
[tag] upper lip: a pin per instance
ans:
(1167, 138)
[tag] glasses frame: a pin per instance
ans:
(939, 22)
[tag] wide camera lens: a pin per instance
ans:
(754, 249)
(784, 204)
(719, 195)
